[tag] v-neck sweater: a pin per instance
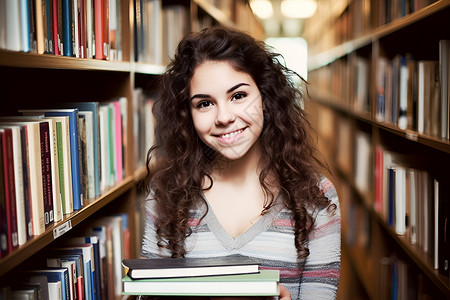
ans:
(270, 240)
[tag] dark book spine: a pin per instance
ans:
(443, 222)
(67, 28)
(46, 173)
(26, 182)
(3, 223)
(10, 191)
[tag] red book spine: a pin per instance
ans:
(10, 191)
(55, 27)
(98, 20)
(82, 29)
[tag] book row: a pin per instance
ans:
(415, 205)
(361, 17)
(75, 28)
(87, 266)
(54, 161)
(409, 93)
(399, 280)
(158, 30)
(414, 93)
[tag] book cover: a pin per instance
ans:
(101, 21)
(74, 148)
(25, 25)
(46, 173)
(18, 181)
(443, 227)
(86, 252)
(189, 267)
(77, 258)
(3, 212)
(93, 107)
(55, 275)
(33, 146)
(264, 283)
(83, 155)
(89, 144)
(10, 192)
(67, 28)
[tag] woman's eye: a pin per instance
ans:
(203, 104)
(239, 96)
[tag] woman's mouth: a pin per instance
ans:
(230, 137)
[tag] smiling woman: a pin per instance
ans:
(237, 172)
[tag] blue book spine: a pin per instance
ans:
(25, 29)
(92, 106)
(67, 28)
(74, 153)
(391, 192)
(97, 282)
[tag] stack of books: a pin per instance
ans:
(218, 276)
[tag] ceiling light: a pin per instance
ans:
(299, 9)
(262, 8)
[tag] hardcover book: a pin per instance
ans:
(264, 283)
(189, 267)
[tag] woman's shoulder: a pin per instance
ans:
(329, 190)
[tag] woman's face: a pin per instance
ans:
(227, 108)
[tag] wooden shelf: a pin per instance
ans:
(148, 69)
(324, 58)
(37, 243)
(429, 141)
(46, 61)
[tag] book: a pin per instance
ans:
(189, 267)
(55, 275)
(74, 148)
(264, 283)
(10, 193)
(18, 182)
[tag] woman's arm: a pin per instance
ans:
(320, 278)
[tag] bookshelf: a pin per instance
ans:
(33, 78)
(354, 50)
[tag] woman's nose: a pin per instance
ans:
(225, 115)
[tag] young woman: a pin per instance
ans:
(235, 170)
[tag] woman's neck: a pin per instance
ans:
(238, 171)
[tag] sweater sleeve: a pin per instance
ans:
(320, 278)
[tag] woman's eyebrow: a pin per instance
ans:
(201, 96)
(237, 86)
(204, 96)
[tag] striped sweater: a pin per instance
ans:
(271, 241)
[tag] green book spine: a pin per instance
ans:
(59, 132)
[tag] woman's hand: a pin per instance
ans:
(284, 293)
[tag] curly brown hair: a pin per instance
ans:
(183, 161)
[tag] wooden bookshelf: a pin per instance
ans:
(333, 82)
(30, 77)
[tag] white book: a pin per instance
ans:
(403, 97)
(436, 225)
(104, 153)
(400, 200)
(55, 290)
(13, 32)
(413, 205)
